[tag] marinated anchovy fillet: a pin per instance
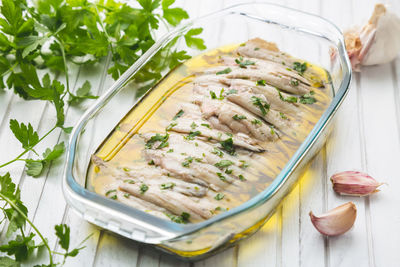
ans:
(222, 129)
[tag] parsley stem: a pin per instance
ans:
(65, 64)
(9, 70)
(28, 149)
(15, 207)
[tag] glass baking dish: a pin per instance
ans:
(302, 35)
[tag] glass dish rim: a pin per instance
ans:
(71, 187)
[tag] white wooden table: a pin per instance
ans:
(366, 137)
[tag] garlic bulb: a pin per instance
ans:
(354, 183)
(336, 221)
(377, 42)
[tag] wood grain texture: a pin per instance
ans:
(365, 137)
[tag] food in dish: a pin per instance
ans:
(217, 130)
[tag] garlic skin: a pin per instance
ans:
(354, 183)
(336, 221)
(377, 42)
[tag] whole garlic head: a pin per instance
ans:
(377, 42)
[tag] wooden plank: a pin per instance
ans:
(261, 248)
(344, 153)
(116, 251)
(381, 120)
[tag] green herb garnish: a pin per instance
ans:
(261, 104)
(244, 64)
(300, 67)
(169, 185)
(192, 135)
(261, 82)
(294, 82)
(224, 71)
(183, 218)
(178, 115)
(217, 152)
(143, 188)
(256, 122)
(227, 145)
(237, 117)
(308, 98)
(163, 139)
(187, 162)
(206, 125)
(223, 164)
(193, 125)
(289, 99)
(219, 196)
(221, 177)
(171, 125)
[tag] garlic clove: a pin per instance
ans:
(377, 42)
(354, 183)
(336, 221)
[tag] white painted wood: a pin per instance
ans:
(365, 137)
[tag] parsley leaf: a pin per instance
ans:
(25, 134)
(261, 104)
(194, 42)
(300, 67)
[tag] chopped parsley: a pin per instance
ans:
(221, 94)
(213, 95)
(158, 138)
(283, 116)
(227, 145)
(261, 82)
(256, 48)
(151, 162)
(272, 130)
(241, 177)
(111, 191)
(171, 125)
(167, 186)
(228, 171)
(244, 64)
(129, 181)
(217, 152)
(220, 176)
(243, 164)
(206, 125)
(127, 195)
(183, 218)
(187, 162)
(192, 135)
(114, 197)
(255, 122)
(178, 115)
(193, 125)
(231, 92)
(126, 169)
(143, 188)
(289, 99)
(223, 164)
(294, 82)
(198, 159)
(170, 151)
(300, 67)
(224, 71)
(219, 196)
(308, 98)
(261, 104)
(237, 117)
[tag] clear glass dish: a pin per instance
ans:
(302, 35)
